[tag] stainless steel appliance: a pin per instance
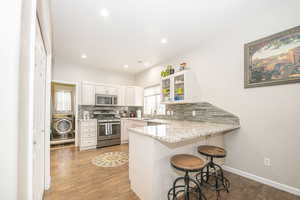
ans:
(62, 129)
(106, 100)
(109, 132)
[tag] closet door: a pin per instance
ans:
(39, 117)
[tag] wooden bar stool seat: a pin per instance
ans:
(212, 151)
(186, 163)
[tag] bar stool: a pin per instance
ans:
(213, 170)
(186, 163)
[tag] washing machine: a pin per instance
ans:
(62, 128)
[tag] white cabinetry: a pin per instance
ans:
(128, 123)
(139, 96)
(110, 90)
(134, 96)
(127, 95)
(87, 94)
(181, 87)
(88, 134)
(124, 131)
(121, 96)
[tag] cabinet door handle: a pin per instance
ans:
(106, 129)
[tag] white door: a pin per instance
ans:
(39, 117)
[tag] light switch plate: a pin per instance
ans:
(267, 162)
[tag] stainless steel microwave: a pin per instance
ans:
(106, 100)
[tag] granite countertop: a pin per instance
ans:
(173, 131)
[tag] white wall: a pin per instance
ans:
(269, 115)
(25, 100)
(10, 20)
(150, 76)
(74, 73)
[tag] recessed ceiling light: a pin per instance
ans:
(83, 56)
(164, 40)
(125, 66)
(104, 12)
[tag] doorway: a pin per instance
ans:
(63, 112)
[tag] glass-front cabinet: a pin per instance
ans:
(166, 89)
(180, 87)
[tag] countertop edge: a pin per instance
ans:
(177, 140)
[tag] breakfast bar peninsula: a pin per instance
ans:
(151, 147)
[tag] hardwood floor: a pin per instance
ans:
(74, 177)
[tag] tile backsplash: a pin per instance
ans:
(204, 112)
(91, 109)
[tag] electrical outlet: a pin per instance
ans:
(267, 162)
(194, 113)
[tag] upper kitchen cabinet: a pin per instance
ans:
(127, 95)
(181, 87)
(133, 96)
(139, 96)
(88, 92)
(104, 89)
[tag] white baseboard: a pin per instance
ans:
(265, 181)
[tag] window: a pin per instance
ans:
(152, 101)
(63, 100)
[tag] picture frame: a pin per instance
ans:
(273, 60)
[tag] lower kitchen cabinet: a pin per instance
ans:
(87, 134)
(129, 123)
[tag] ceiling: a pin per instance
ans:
(134, 29)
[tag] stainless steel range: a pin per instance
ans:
(109, 129)
(109, 132)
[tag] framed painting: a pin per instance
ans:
(273, 60)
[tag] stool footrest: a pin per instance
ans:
(212, 186)
(212, 176)
(190, 187)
